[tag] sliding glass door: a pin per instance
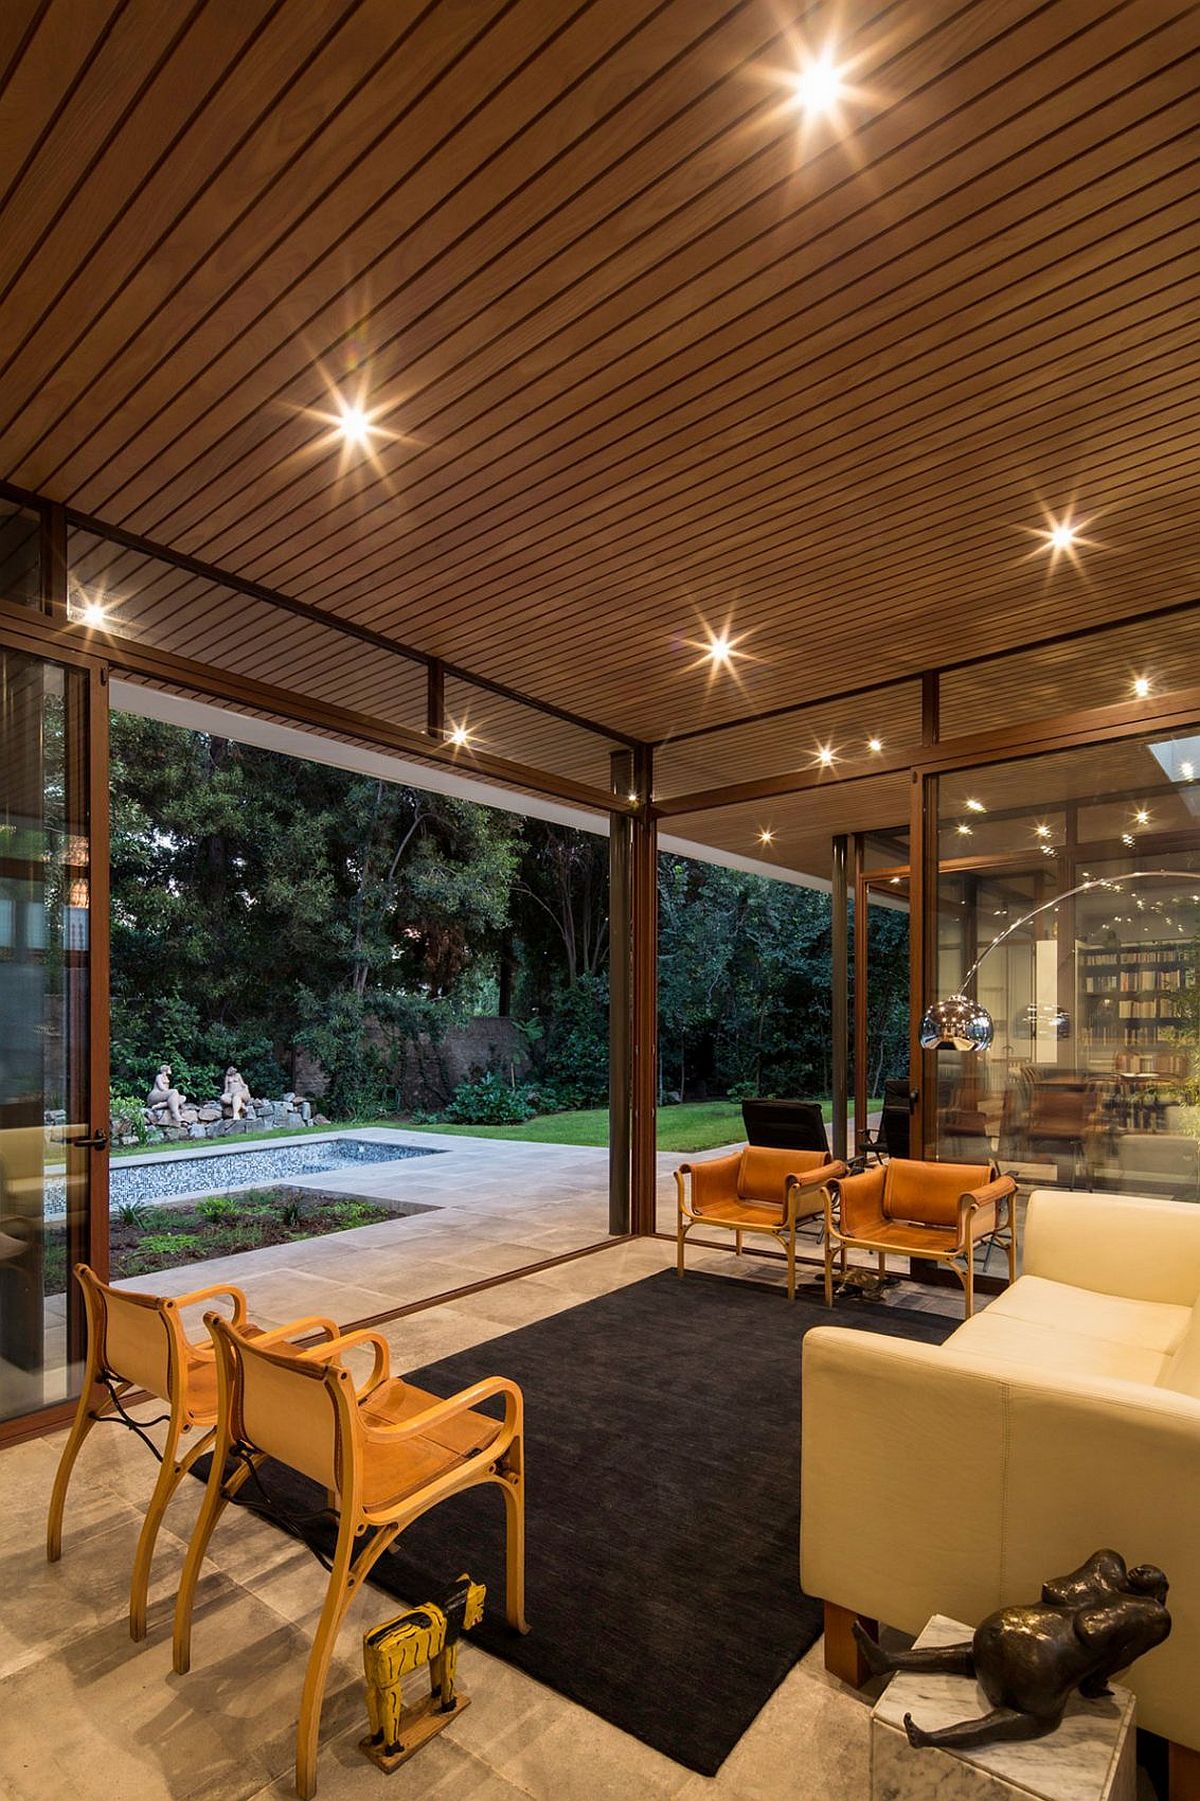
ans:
(53, 997)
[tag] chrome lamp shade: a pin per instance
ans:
(956, 1024)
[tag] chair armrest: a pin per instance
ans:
(982, 1200)
(819, 1179)
(712, 1181)
(463, 1402)
(858, 1192)
(348, 1341)
(296, 1328)
(238, 1317)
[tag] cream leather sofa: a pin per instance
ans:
(1062, 1418)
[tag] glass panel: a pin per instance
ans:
(1069, 908)
(20, 582)
(881, 1062)
(44, 920)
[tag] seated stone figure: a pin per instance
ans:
(164, 1099)
(1030, 1660)
(236, 1095)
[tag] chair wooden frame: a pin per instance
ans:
(805, 1196)
(365, 1531)
(162, 1360)
(983, 1213)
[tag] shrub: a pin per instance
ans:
(170, 1244)
(133, 1213)
(128, 1116)
(218, 1208)
(489, 1101)
(573, 1056)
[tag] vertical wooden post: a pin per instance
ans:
(435, 701)
(644, 999)
(53, 562)
(862, 923)
(922, 929)
(840, 984)
(620, 996)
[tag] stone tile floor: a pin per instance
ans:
(87, 1714)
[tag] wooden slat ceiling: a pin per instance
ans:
(651, 351)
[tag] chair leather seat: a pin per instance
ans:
(731, 1212)
(908, 1235)
(392, 1471)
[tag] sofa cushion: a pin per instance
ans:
(1181, 1370)
(1146, 1325)
(1004, 1338)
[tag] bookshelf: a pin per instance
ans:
(1129, 993)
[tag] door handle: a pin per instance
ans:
(97, 1142)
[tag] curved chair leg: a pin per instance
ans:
(513, 1487)
(85, 1419)
(828, 1273)
(791, 1257)
(967, 1277)
(169, 1472)
(337, 1599)
(217, 1494)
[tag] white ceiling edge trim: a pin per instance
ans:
(294, 741)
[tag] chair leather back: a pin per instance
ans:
(286, 1408)
(139, 1342)
(928, 1193)
(763, 1172)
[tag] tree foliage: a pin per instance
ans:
(264, 906)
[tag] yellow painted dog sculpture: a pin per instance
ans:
(400, 1647)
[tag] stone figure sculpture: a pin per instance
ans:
(1029, 1660)
(164, 1098)
(236, 1095)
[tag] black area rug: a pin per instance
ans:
(662, 1507)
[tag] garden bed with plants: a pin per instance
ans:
(145, 1239)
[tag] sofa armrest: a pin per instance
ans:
(1146, 1250)
(937, 1481)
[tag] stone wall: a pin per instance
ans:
(432, 1071)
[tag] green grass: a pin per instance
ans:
(692, 1126)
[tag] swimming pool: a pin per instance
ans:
(221, 1172)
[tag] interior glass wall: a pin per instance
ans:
(1068, 906)
(44, 944)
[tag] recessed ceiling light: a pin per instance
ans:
(354, 426)
(633, 800)
(1126, 838)
(92, 614)
(1141, 686)
(975, 806)
(825, 756)
(1043, 831)
(895, 881)
(875, 745)
(1141, 817)
(766, 836)
(964, 831)
(818, 85)
(1062, 535)
(720, 649)
(459, 735)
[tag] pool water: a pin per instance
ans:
(164, 1178)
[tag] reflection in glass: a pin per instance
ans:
(44, 910)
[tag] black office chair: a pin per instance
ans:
(892, 1138)
(785, 1125)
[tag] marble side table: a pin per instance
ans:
(1091, 1757)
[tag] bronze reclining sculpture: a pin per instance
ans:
(1030, 1660)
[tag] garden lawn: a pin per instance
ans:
(691, 1126)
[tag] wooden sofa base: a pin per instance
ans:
(844, 1659)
